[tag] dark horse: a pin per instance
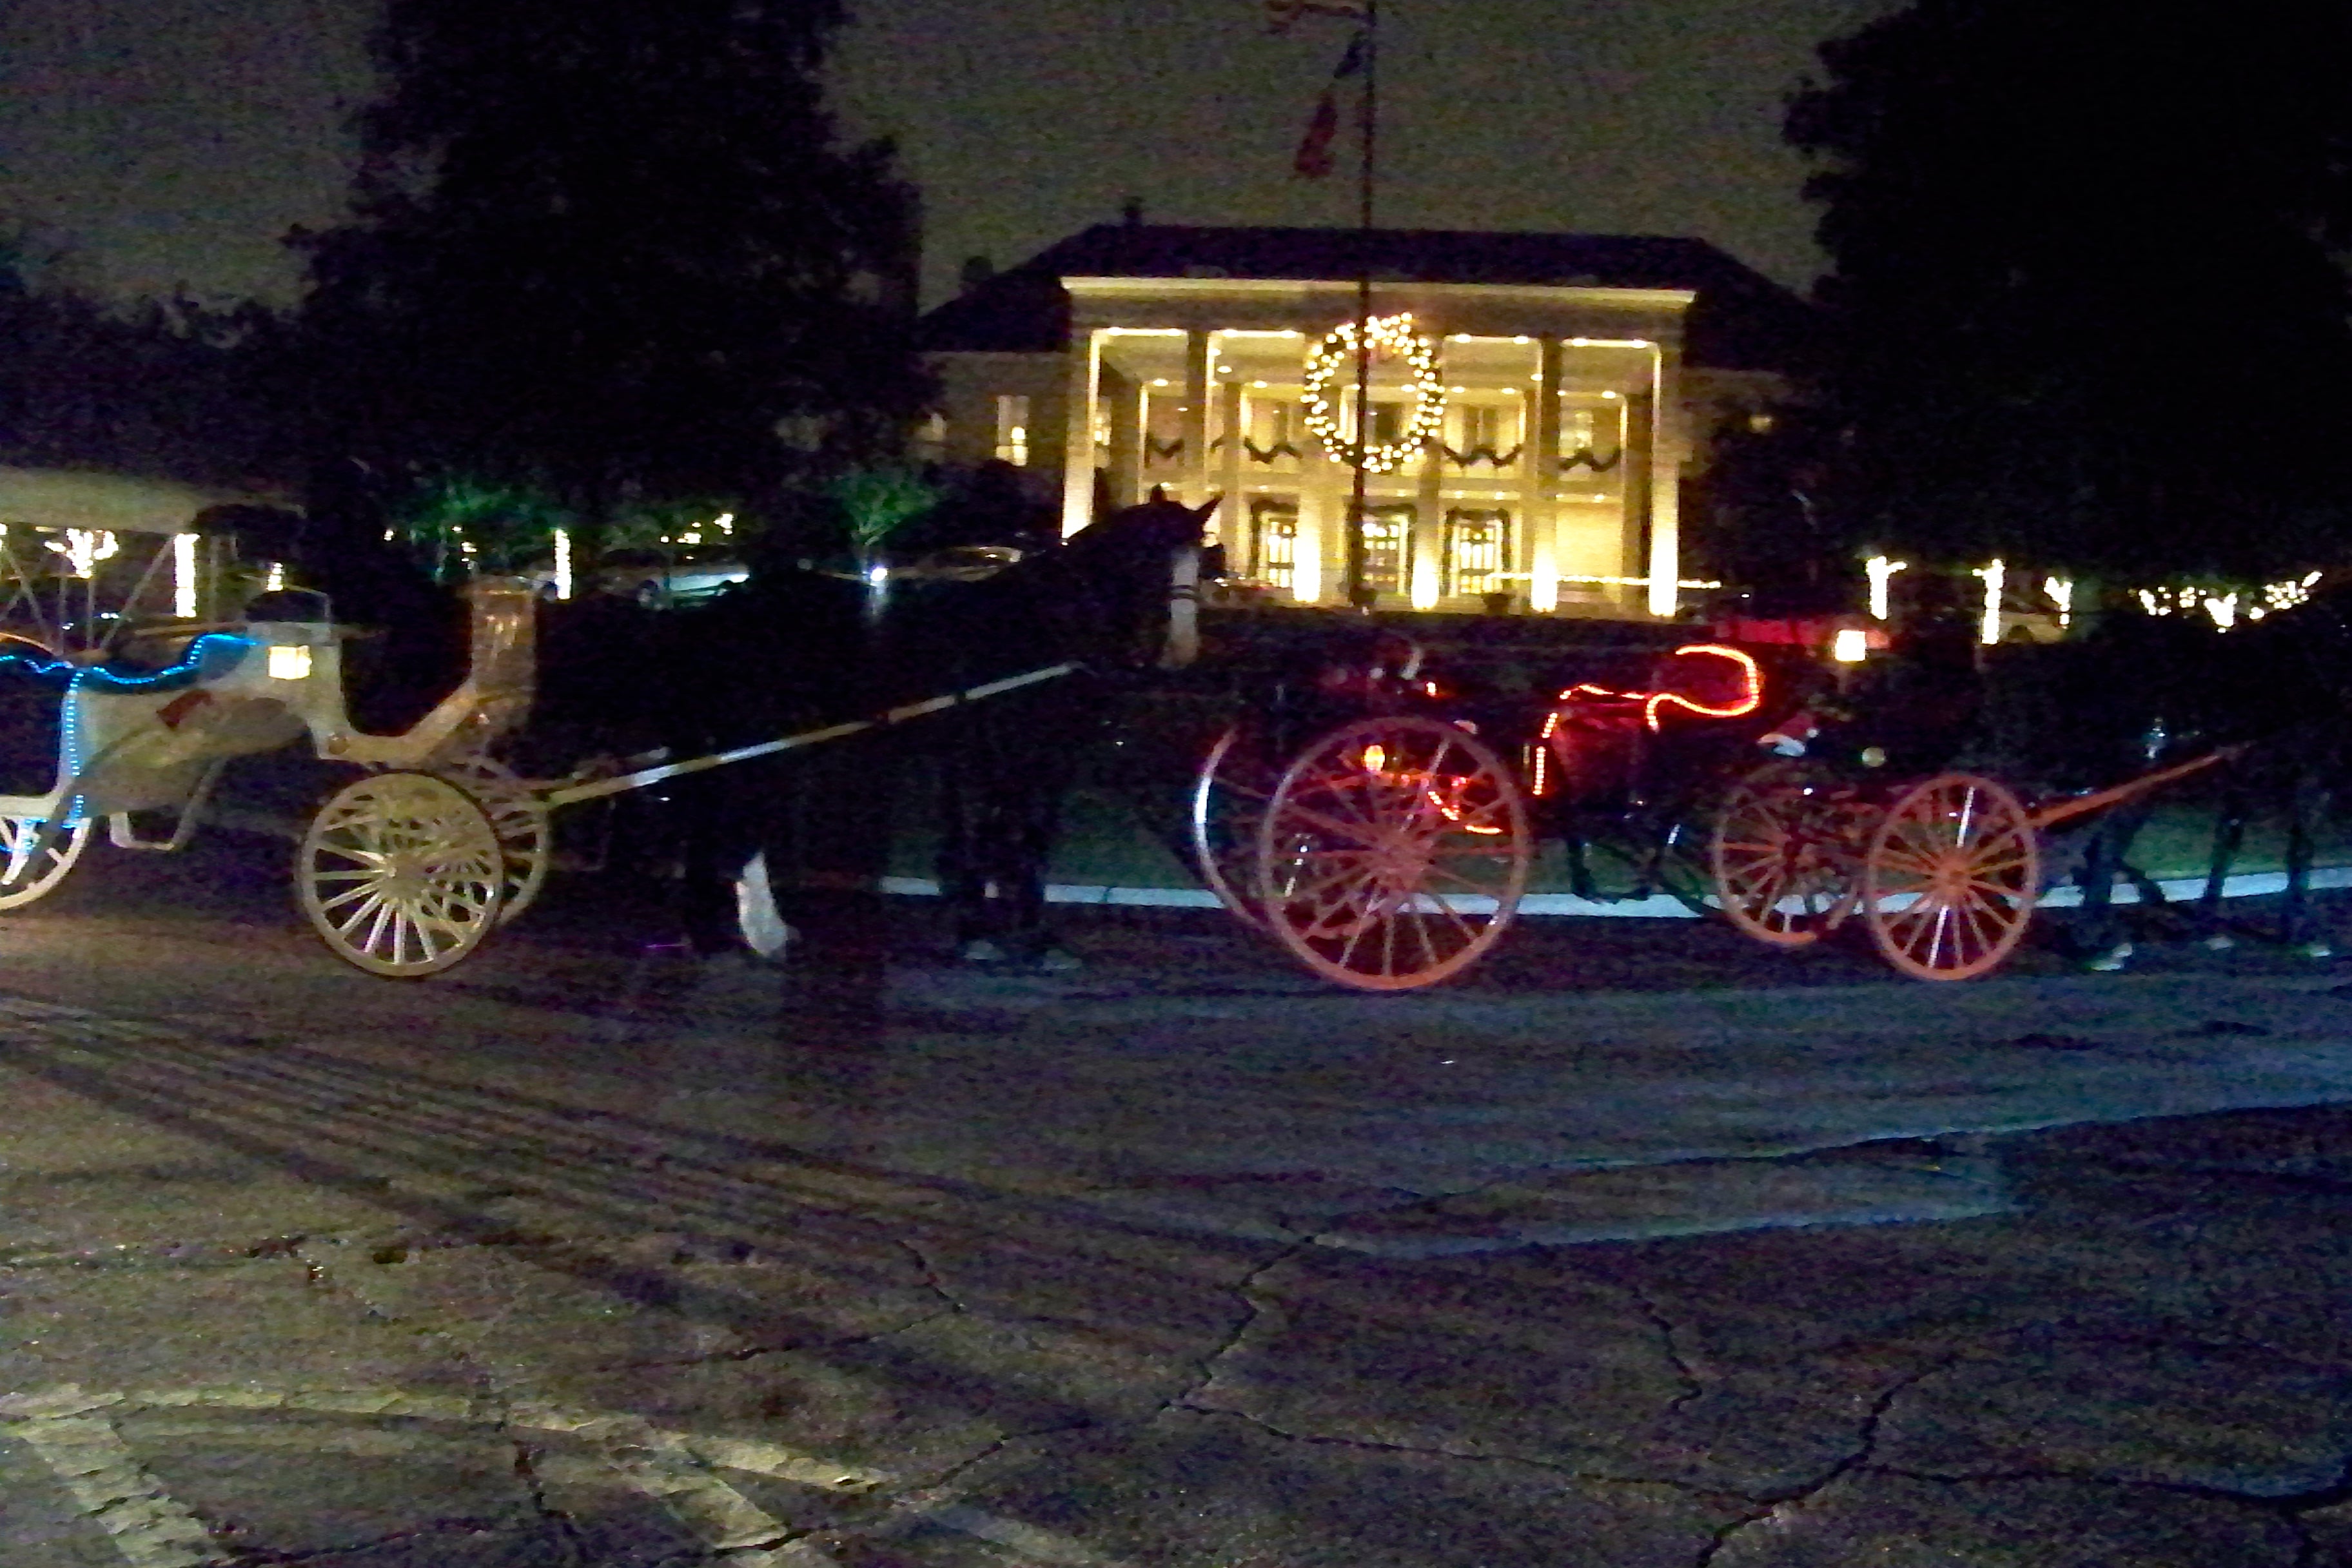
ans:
(2143, 692)
(797, 651)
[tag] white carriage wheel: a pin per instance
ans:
(20, 837)
(1393, 853)
(1229, 799)
(526, 835)
(401, 874)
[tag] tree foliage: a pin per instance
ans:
(2088, 280)
(169, 388)
(609, 246)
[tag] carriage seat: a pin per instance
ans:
(33, 688)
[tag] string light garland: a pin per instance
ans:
(2225, 605)
(1390, 337)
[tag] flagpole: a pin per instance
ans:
(1358, 592)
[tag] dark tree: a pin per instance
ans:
(611, 246)
(2087, 284)
(169, 388)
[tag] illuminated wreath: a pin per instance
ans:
(1387, 337)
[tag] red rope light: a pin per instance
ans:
(1751, 695)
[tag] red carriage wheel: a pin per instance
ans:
(1782, 855)
(1949, 878)
(1229, 796)
(1392, 853)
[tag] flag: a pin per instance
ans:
(1281, 16)
(1314, 160)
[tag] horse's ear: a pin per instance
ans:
(1159, 495)
(1207, 510)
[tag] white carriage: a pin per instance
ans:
(402, 871)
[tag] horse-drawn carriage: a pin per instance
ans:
(1389, 849)
(111, 712)
(1379, 822)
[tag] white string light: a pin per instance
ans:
(1384, 336)
(1881, 572)
(84, 548)
(2062, 593)
(183, 576)
(1994, 573)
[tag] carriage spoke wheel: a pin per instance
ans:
(1392, 853)
(1783, 854)
(1950, 879)
(37, 865)
(1229, 796)
(519, 818)
(401, 874)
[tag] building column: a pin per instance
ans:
(1079, 433)
(1306, 551)
(1230, 522)
(1666, 468)
(1539, 502)
(1126, 400)
(1198, 389)
(1425, 577)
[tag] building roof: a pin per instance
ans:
(1741, 319)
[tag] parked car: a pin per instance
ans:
(958, 564)
(653, 577)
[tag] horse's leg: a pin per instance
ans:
(2307, 802)
(1032, 825)
(713, 850)
(2106, 949)
(2229, 837)
(962, 865)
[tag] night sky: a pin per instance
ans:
(172, 141)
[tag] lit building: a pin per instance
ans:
(1536, 401)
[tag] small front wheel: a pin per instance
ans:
(1950, 876)
(526, 835)
(401, 874)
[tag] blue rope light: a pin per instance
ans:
(199, 663)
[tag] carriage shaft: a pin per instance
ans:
(598, 788)
(2076, 805)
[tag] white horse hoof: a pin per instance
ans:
(2220, 941)
(982, 951)
(764, 930)
(2113, 959)
(2316, 949)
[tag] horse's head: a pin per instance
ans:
(1142, 571)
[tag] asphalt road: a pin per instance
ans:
(1641, 1247)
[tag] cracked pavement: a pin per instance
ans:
(567, 1259)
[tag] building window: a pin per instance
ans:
(1387, 530)
(1013, 431)
(1274, 434)
(931, 440)
(1477, 550)
(1484, 437)
(1273, 541)
(1164, 431)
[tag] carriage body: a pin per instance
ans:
(1389, 849)
(133, 739)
